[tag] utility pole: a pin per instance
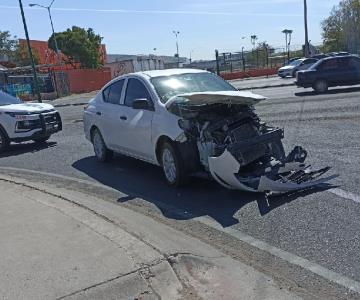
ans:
(177, 47)
(306, 30)
(52, 27)
(36, 83)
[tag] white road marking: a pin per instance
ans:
(344, 194)
(264, 246)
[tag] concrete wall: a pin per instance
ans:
(87, 80)
(134, 65)
(120, 68)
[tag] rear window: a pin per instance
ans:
(112, 93)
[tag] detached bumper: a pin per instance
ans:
(290, 177)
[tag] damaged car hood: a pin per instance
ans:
(221, 97)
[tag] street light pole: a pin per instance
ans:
(191, 53)
(306, 30)
(36, 84)
(52, 27)
(177, 47)
(242, 57)
(290, 33)
(287, 33)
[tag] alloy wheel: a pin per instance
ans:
(169, 166)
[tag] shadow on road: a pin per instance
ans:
(199, 198)
(18, 149)
(329, 92)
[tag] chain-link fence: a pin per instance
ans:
(260, 58)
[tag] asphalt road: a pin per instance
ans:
(321, 226)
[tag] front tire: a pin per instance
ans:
(173, 166)
(4, 142)
(321, 86)
(102, 153)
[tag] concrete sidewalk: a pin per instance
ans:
(59, 244)
(73, 100)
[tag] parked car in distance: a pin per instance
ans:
(320, 56)
(291, 60)
(193, 123)
(341, 53)
(295, 66)
(20, 122)
(330, 72)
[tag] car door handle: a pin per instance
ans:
(98, 113)
(124, 118)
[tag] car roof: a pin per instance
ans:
(340, 56)
(169, 72)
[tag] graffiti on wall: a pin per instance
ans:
(122, 67)
(19, 90)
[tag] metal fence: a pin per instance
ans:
(21, 84)
(259, 58)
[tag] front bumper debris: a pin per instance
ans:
(291, 175)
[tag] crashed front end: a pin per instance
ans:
(236, 148)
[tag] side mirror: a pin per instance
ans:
(142, 103)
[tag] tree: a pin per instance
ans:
(8, 45)
(341, 30)
(21, 55)
(79, 45)
(259, 56)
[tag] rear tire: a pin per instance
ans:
(321, 86)
(173, 166)
(102, 153)
(4, 142)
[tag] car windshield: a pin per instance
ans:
(6, 99)
(169, 86)
(296, 62)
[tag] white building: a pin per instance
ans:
(123, 64)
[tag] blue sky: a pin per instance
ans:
(138, 26)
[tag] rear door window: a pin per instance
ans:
(135, 90)
(112, 93)
(331, 64)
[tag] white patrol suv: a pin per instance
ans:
(21, 122)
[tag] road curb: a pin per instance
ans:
(146, 258)
(178, 257)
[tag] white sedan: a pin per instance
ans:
(192, 122)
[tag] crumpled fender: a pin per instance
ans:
(224, 167)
